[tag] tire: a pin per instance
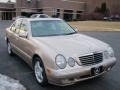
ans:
(9, 49)
(39, 72)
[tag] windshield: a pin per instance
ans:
(50, 28)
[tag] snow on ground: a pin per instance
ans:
(7, 83)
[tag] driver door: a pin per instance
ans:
(13, 35)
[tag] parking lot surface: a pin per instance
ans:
(18, 69)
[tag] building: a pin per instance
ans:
(7, 11)
(66, 9)
(55, 8)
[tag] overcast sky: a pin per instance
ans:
(6, 0)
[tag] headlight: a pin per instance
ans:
(71, 62)
(108, 53)
(60, 61)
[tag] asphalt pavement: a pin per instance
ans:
(18, 69)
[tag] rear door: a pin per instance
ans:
(13, 35)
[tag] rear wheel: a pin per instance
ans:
(39, 72)
(9, 49)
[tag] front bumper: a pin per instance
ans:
(70, 76)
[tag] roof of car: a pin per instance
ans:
(35, 19)
(39, 14)
(38, 19)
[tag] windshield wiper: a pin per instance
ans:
(56, 34)
(70, 33)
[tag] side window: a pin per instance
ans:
(23, 27)
(33, 16)
(13, 28)
(17, 26)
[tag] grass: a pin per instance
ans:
(96, 25)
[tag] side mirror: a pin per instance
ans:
(23, 34)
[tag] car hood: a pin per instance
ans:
(76, 44)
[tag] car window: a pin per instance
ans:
(17, 26)
(18, 23)
(43, 16)
(13, 28)
(23, 27)
(33, 16)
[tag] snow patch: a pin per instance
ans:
(7, 83)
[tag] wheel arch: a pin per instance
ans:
(33, 60)
(45, 82)
(7, 40)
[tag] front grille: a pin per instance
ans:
(91, 59)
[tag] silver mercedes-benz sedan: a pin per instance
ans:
(56, 52)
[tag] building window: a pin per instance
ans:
(56, 13)
(29, 1)
(78, 16)
(40, 11)
(68, 15)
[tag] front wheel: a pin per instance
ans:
(39, 72)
